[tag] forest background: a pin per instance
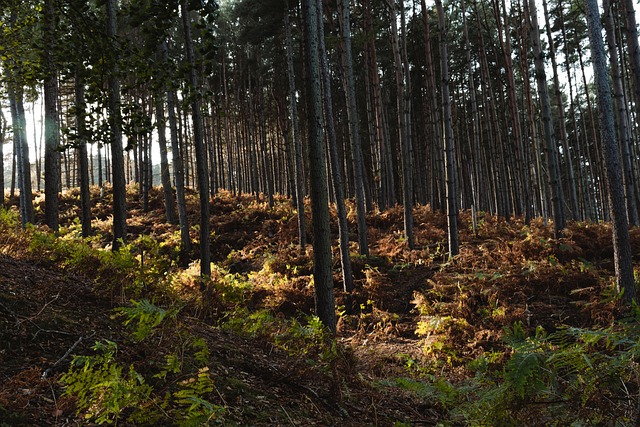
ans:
(449, 118)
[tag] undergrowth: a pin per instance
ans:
(516, 330)
(177, 390)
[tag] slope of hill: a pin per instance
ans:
(480, 338)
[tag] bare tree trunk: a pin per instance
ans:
(621, 241)
(322, 266)
(338, 185)
(354, 131)
(551, 150)
(200, 151)
(83, 166)
(450, 162)
(624, 131)
(402, 75)
(117, 158)
(297, 146)
(51, 121)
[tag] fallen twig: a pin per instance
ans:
(55, 365)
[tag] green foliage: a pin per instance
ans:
(102, 391)
(178, 392)
(9, 219)
(146, 315)
(297, 338)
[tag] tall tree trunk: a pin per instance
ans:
(201, 153)
(450, 158)
(83, 166)
(322, 266)
(165, 177)
(338, 186)
(297, 146)
(354, 125)
(551, 150)
(51, 126)
(621, 242)
(567, 152)
(22, 156)
(475, 168)
(402, 76)
(434, 126)
(621, 116)
(178, 175)
(117, 158)
(386, 176)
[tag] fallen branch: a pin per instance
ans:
(62, 359)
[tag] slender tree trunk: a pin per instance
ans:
(402, 75)
(354, 125)
(338, 189)
(322, 266)
(567, 152)
(178, 175)
(117, 158)
(475, 128)
(450, 162)
(551, 150)
(633, 48)
(83, 165)
(297, 146)
(51, 125)
(169, 202)
(621, 116)
(201, 153)
(621, 242)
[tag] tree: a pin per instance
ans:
(621, 116)
(51, 117)
(354, 132)
(297, 146)
(334, 161)
(81, 143)
(117, 158)
(403, 120)
(322, 265)
(450, 162)
(621, 242)
(200, 150)
(551, 150)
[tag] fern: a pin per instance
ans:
(523, 373)
(146, 317)
(101, 388)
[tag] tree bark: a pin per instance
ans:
(338, 185)
(297, 146)
(450, 158)
(117, 158)
(551, 150)
(621, 116)
(165, 177)
(83, 166)
(322, 266)
(200, 151)
(621, 242)
(404, 131)
(51, 125)
(354, 131)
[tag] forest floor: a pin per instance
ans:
(413, 333)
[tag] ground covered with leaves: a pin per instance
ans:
(519, 329)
